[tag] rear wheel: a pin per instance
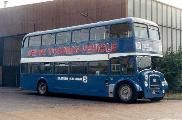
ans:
(42, 88)
(127, 93)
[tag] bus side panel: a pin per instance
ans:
(89, 85)
(27, 83)
(97, 85)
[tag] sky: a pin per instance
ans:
(177, 3)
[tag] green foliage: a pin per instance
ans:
(171, 66)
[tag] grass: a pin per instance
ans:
(175, 96)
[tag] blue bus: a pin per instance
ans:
(108, 59)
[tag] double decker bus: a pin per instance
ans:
(108, 59)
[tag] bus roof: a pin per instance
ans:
(100, 23)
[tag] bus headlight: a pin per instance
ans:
(146, 81)
(146, 77)
(164, 83)
(146, 84)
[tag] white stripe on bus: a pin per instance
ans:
(95, 57)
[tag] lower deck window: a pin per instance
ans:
(115, 66)
(78, 68)
(98, 67)
(47, 68)
(123, 65)
(25, 68)
(61, 68)
(34, 68)
(128, 65)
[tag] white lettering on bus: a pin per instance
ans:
(83, 79)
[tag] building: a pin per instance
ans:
(15, 22)
(167, 17)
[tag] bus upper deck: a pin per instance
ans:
(120, 37)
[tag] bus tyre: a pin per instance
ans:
(156, 99)
(127, 93)
(42, 88)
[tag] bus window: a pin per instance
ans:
(25, 44)
(143, 62)
(61, 68)
(80, 35)
(99, 33)
(140, 30)
(47, 68)
(35, 67)
(35, 41)
(128, 65)
(25, 68)
(63, 37)
(48, 39)
(116, 66)
(120, 31)
(154, 32)
(78, 68)
(98, 67)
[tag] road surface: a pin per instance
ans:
(16, 104)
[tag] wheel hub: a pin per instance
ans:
(42, 88)
(125, 93)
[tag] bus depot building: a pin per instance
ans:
(15, 22)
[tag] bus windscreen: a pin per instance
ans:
(140, 30)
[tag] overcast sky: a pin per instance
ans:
(177, 3)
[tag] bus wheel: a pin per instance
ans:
(156, 99)
(42, 88)
(127, 93)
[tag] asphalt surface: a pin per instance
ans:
(16, 104)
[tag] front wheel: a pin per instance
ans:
(127, 93)
(42, 88)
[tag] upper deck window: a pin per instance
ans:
(154, 32)
(35, 41)
(99, 33)
(140, 30)
(63, 37)
(48, 39)
(80, 35)
(121, 31)
(25, 44)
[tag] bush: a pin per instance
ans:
(171, 66)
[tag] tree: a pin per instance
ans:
(171, 66)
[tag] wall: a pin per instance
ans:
(58, 13)
(10, 60)
(15, 22)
